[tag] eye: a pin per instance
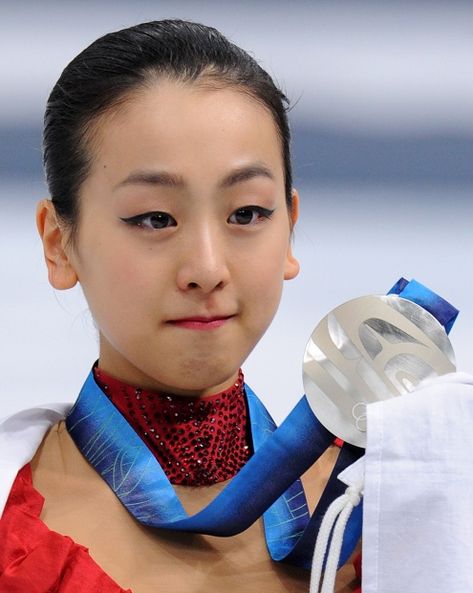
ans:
(249, 215)
(151, 220)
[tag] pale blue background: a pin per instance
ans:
(383, 137)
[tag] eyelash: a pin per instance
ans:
(167, 220)
(139, 219)
(258, 210)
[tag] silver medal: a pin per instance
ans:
(370, 349)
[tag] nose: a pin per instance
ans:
(204, 266)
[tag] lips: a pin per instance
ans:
(201, 322)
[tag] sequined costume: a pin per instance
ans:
(197, 441)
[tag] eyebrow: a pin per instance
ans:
(152, 178)
(246, 173)
(161, 178)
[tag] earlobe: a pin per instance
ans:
(61, 273)
(292, 265)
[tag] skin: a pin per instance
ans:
(179, 308)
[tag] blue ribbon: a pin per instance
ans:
(414, 291)
(267, 485)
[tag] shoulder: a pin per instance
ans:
(20, 436)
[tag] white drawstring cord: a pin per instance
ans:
(336, 518)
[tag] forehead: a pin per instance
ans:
(187, 128)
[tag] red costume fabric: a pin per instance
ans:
(34, 559)
(357, 566)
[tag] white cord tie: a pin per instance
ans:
(354, 495)
(335, 519)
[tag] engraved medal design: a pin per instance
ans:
(366, 350)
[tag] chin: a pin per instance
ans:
(199, 376)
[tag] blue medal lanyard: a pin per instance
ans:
(267, 485)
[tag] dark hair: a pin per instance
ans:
(105, 73)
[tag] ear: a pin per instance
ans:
(61, 274)
(292, 265)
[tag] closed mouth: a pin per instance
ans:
(201, 322)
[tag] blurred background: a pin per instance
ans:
(382, 124)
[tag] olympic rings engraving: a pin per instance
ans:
(358, 412)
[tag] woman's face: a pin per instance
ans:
(184, 236)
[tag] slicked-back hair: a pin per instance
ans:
(106, 74)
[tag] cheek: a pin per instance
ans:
(273, 261)
(266, 278)
(117, 284)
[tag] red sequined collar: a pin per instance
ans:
(197, 441)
